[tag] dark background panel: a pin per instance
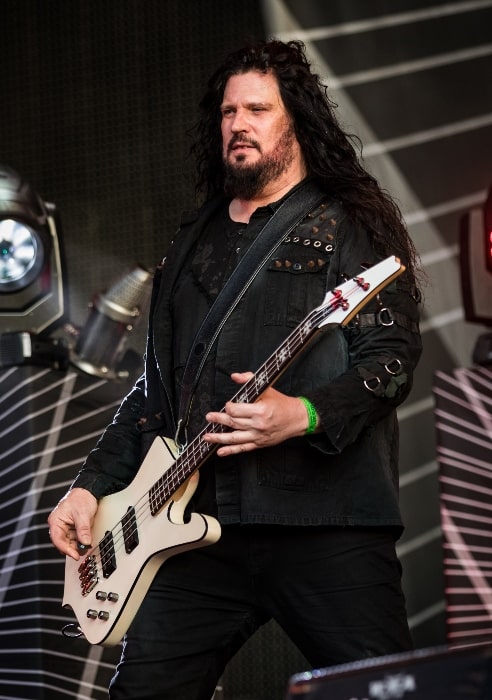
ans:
(450, 167)
(313, 13)
(456, 92)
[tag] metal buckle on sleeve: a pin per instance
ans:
(372, 384)
(389, 367)
(385, 317)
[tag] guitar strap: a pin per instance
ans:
(294, 208)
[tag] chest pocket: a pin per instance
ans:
(295, 285)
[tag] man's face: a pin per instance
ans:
(258, 139)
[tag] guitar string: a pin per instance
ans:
(197, 447)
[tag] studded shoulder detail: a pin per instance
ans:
(318, 229)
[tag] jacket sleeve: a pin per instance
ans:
(384, 346)
(116, 458)
(113, 463)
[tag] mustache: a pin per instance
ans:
(237, 138)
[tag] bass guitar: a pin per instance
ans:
(138, 528)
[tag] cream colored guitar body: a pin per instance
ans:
(106, 604)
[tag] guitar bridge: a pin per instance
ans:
(88, 575)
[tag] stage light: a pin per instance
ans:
(21, 255)
(32, 297)
(476, 262)
(113, 315)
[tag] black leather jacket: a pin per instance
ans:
(355, 377)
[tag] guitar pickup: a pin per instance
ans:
(108, 558)
(130, 532)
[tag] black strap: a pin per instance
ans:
(384, 317)
(289, 214)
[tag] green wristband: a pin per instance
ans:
(312, 415)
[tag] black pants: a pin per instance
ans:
(335, 592)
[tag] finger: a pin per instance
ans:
(241, 377)
(235, 437)
(235, 415)
(232, 419)
(220, 418)
(228, 450)
(64, 541)
(65, 536)
(84, 535)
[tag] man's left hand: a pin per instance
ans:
(273, 418)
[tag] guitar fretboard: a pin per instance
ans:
(193, 456)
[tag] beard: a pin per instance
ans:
(245, 181)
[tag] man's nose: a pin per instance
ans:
(239, 123)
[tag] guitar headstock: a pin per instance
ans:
(349, 298)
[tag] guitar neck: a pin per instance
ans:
(343, 302)
(197, 451)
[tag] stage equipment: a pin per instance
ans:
(29, 349)
(438, 673)
(476, 262)
(32, 295)
(113, 315)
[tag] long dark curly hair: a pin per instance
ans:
(330, 156)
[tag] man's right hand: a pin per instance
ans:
(71, 520)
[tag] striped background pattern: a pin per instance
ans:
(99, 127)
(464, 429)
(49, 422)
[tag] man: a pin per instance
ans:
(304, 481)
